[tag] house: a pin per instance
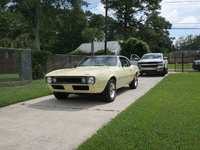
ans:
(188, 56)
(113, 46)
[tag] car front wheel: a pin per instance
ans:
(134, 83)
(109, 92)
(60, 95)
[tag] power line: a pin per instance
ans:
(182, 2)
(185, 23)
(185, 28)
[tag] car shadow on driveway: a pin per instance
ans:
(75, 102)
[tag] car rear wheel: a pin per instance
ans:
(109, 92)
(60, 95)
(134, 83)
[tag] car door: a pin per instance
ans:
(127, 70)
(134, 59)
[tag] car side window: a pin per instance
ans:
(124, 62)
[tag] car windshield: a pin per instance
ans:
(152, 56)
(99, 61)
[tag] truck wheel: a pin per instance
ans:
(134, 83)
(166, 71)
(60, 95)
(163, 72)
(109, 92)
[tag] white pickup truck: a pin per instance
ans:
(152, 63)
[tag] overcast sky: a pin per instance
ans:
(180, 13)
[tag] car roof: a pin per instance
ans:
(106, 56)
(197, 61)
(153, 53)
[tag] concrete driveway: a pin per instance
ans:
(48, 124)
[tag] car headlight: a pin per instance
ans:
(49, 80)
(91, 80)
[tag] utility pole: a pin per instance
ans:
(106, 24)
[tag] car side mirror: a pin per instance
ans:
(165, 57)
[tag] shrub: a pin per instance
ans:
(40, 60)
(78, 51)
(134, 46)
(102, 52)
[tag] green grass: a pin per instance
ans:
(12, 95)
(179, 66)
(9, 77)
(166, 117)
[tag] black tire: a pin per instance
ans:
(60, 95)
(166, 71)
(163, 72)
(134, 83)
(109, 92)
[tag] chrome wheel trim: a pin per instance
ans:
(136, 81)
(112, 90)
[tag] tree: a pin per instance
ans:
(155, 33)
(126, 11)
(98, 21)
(133, 46)
(188, 43)
(92, 35)
(31, 11)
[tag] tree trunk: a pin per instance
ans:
(125, 23)
(92, 48)
(36, 30)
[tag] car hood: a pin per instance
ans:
(80, 71)
(149, 60)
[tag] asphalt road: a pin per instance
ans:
(48, 124)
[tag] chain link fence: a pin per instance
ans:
(15, 66)
(182, 61)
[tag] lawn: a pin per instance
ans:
(12, 95)
(179, 66)
(166, 117)
(9, 77)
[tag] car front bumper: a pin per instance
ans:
(151, 69)
(76, 88)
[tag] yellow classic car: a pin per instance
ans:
(94, 75)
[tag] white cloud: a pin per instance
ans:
(99, 9)
(189, 19)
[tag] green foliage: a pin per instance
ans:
(154, 33)
(188, 43)
(126, 11)
(22, 42)
(102, 52)
(77, 52)
(133, 46)
(40, 60)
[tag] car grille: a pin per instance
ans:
(68, 80)
(149, 64)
